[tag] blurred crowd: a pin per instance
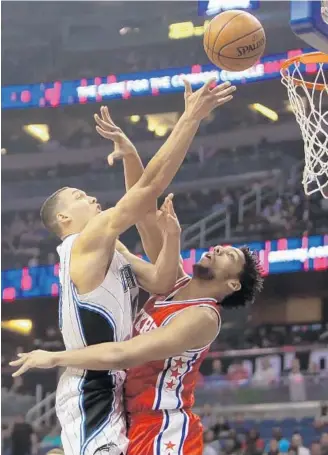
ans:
(240, 436)
(25, 242)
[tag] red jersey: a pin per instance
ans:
(165, 384)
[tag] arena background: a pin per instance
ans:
(240, 183)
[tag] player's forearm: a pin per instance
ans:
(164, 165)
(100, 357)
(133, 169)
(150, 234)
(168, 262)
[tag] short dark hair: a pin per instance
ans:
(49, 210)
(251, 281)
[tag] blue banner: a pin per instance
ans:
(276, 256)
(125, 86)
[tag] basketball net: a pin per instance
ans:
(308, 101)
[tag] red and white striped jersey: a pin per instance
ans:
(166, 384)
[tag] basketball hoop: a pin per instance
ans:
(308, 101)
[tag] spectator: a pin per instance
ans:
(208, 438)
(297, 445)
(315, 448)
(296, 383)
(206, 416)
(324, 443)
(322, 418)
(237, 373)
(273, 447)
(283, 443)
(220, 426)
(254, 445)
(23, 438)
(216, 374)
(264, 375)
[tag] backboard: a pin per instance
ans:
(309, 20)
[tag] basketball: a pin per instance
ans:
(234, 40)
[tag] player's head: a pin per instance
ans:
(234, 272)
(68, 211)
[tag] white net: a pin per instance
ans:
(309, 101)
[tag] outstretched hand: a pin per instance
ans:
(33, 359)
(202, 102)
(109, 130)
(167, 218)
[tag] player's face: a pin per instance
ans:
(78, 207)
(221, 264)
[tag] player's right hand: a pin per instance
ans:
(199, 104)
(167, 219)
(107, 129)
(33, 359)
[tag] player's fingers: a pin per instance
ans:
(171, 210)
(113, 156)
(226, 92)
(25, 367)
(219, 88)
(108, 135)
(106, 116)
(188, 89)
(209, 83)
(16, 363)
(221, 101)
(105, 125)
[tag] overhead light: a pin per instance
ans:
(161, 130)
(265, 111)
(3, 151)
(40, 132)
(21, 326)
(135, 118)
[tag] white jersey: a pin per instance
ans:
(89, 404)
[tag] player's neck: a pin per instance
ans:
(197, 289)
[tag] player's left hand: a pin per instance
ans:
(167, 218)
(123, 147)
(33, 359)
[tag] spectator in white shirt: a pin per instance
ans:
(297, 445)
(265, 375)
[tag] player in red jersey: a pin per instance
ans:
(164, 363)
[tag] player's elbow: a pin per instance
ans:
(164, 284)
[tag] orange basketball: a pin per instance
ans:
(234, 40)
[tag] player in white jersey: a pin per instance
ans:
(98, 285)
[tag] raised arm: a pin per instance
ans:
(159, 278)
(150, 233)
(193, 328)
(97, 240)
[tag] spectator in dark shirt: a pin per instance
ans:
(220, 426)
(23, 438)
(254, 445)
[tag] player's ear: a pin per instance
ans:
(234, 285)
(63, 218)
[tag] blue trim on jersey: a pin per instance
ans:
(161, 382)
(184, 427)
(159, 439)
(189, 366)
(84, 442)
(96, 309)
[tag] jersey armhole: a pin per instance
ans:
(206, 305)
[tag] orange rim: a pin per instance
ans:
(312, 57)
